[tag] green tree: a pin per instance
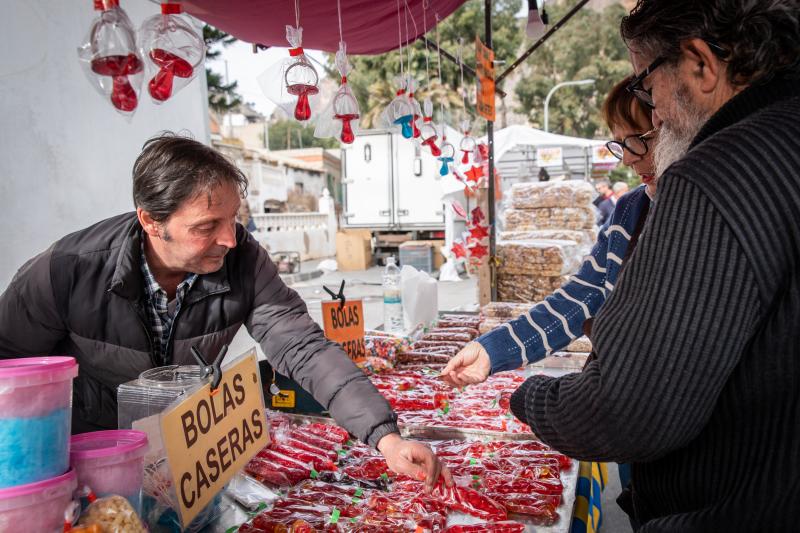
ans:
(221, 96)
(285, 134)
(373, 77)
(589, 46)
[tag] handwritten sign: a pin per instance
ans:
(484, 66)
(209, 437)
(345, 325)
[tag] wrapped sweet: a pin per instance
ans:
(468, 144)
(342, 114)
(110, 59)
(447, 154)
(173, 52)
(574, 193)
(292, 84)
(399, 114)
(428, 130)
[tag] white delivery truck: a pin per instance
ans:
(392, 184)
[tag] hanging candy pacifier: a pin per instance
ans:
(110, 59)
(447, 156)
(468, 144)
(345, 105)
(428, 130)
(399, 112)
(173, 52)
(292, 83)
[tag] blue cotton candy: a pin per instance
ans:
(34, 449)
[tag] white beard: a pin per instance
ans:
(675, 136)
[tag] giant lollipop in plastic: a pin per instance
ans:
(428, 130)
(109, 57)
(173, 52)
(468, 143)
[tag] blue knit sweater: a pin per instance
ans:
(553, 323)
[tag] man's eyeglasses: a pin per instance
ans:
(636, 86)
(635, 144)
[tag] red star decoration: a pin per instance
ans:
(478, 232)
(478, 251)
(458, 249)
(477, 216)
(474, 174)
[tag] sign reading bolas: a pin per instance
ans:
(209, 436)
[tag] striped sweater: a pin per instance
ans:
(696, 379)
(553, 323)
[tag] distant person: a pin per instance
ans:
(619, 188)
(245, 218)
(140, 289)
(606, 209)
(603, 188)
(544, 175)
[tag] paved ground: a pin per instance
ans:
(460, 295)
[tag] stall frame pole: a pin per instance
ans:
(487, 17)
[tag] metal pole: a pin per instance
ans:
(490, 138)
(554, 89)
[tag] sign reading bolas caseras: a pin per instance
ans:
(209, 436)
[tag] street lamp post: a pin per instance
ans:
(554, 89)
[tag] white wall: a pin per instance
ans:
(65, 153)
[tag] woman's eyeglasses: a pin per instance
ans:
(635, 144)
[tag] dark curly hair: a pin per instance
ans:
(758, 39)
(174, 168)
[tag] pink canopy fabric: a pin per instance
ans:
(369, 26)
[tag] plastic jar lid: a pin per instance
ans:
(108, 447)
(31, 371)
(41, 491)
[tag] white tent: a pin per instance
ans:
(509, 138)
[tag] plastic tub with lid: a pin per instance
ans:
(37, 506)
(35, 418)
(111, 462)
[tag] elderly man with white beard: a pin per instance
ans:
(696, 379)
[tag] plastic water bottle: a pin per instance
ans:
(392, 303)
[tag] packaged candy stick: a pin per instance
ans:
(172, 50)
(110, 59)
(340, 118)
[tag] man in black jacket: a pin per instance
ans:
(696, 379)
(138, 290)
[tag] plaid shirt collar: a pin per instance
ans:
(155, 294)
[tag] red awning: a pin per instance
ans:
(369, 26)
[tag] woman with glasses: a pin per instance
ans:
(566, 314)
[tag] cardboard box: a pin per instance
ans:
(438, 259)
(353, 250)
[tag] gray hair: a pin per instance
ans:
(620, 186)
(174, 168)
(756, 38)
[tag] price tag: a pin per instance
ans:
(345, 325)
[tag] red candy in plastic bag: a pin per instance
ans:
(506, 526)
(110, 59)
(173, 52)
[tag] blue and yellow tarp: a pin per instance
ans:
(588, 514)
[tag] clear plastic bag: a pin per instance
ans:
(292, 84)
(427, 130)
(467, 145)
(539, 258)
(399, 114)
(573, 193)
(341, 117)
(110, 59)
(172, 50)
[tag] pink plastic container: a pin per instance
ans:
(111, 462)
(35, 418)
(37, 506)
